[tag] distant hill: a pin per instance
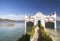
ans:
(8, 20)
(58, 20)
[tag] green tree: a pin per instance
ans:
(39, 23)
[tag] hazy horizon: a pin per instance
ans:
(18, 17)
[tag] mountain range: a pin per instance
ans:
(8, 20)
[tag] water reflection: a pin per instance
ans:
(11, 33)
(7, 24)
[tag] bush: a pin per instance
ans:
(45, 37)
(32, 31)
(25, 38)
(28, 30)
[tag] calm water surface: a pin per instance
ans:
(11, 33)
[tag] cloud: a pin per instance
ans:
(13, 16)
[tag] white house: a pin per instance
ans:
(45, 19)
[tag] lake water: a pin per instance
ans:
(14, 32)
(10, 32)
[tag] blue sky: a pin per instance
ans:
(20, 7)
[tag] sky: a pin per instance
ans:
(16, 9)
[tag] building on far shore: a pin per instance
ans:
(46, 20)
